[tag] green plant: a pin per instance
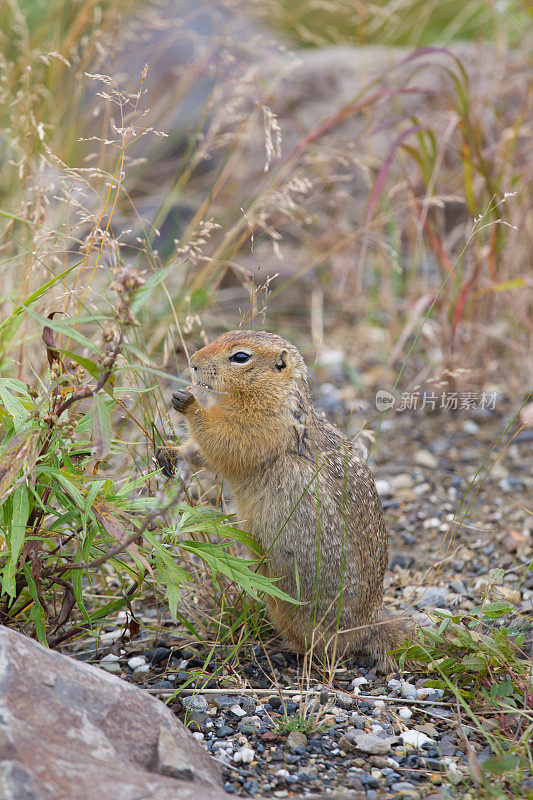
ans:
(62, 520)
(480, 662)
(304, 723)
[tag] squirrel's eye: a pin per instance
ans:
(240, 358)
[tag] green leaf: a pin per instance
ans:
(418, 653)
(109, 608)
(66, 330)
(86, 363)
(20, 452)
(37, 615)
(14, 407)
(21, 510)
(101, 428)
(497, 609)
(496, 576)
(499, 765)
(174, 574)
(70, 488)
(173, 595)
(16, 386)
(204, 518)
(77, 586)
(237, 569)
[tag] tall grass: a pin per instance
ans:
(409, 23)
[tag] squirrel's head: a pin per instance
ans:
(253, 368)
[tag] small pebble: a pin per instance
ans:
(426, 459)
(408, 691)
(111, 666)
(344, 700)
(136, 661)
(296, 739)
(110, 657)
(195, 702)
(224, 731)
(384, 488)
(244, 756)
(415, 738)
(368, 743)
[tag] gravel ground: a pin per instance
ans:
(369, 735)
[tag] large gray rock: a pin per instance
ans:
(70, 730)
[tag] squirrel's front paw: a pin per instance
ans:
(167, 458)
(181, 400)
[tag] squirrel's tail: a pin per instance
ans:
(388, 633)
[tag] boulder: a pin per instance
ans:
(68, 729)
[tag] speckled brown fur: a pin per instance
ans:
(302, 491)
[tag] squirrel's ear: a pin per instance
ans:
(281, 360)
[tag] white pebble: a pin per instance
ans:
(244, 756)
(409, 691)
(142, 669)
(469, 426)
(237, 711)
(359, 681)
(379, 703)
(198, 735)
(384, 488)
(109, 657)
(136, 661)
(282, 774)
(405, 713)
(415, 738)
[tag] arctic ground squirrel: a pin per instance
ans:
(302, 489)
